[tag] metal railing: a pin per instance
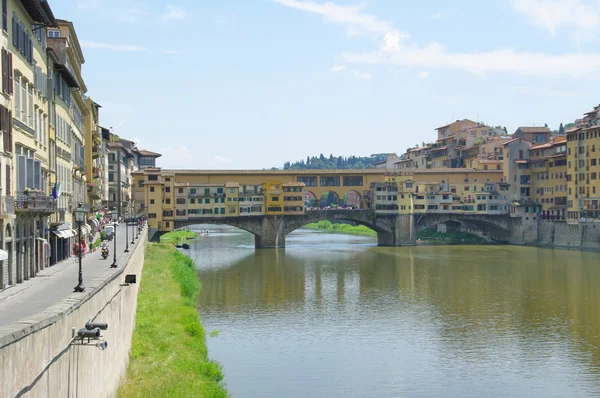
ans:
(36, 203)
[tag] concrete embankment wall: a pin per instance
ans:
(559, 234)
(36, 358)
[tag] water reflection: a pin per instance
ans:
(334, 315)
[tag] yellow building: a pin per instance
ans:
(273, 197)
(548, 166)
(293, 198)
(251, 200)
(232, 190)
(583, 164)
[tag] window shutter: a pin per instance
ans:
(21, 176)
(37, 174)
(8, 181)
(30, 177)
(49, 88)
(4, 71)
(10, 74)
(15, 32)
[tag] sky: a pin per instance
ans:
(250, 84)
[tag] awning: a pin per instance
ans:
(60, 234)
(94, 223)
(3, 255)
(67, 233)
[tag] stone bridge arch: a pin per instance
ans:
(270, 231)
(495, 228)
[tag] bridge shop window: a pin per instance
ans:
(308, 181)
(330, 181)
(353, 181)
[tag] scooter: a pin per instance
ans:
(104, 252)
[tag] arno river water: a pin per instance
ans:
(337, 316)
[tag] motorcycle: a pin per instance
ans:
(104, 252)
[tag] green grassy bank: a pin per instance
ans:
(463, 237)
(169, 357)
(341, 228)
(176, 237)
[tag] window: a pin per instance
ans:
(151, 215)
(111, 177)
(275, 198)
(167, 189)
(231, 190)
(151, 201)
(180, 190)
(353, 181)
(232, 210)
(330, 181)
(151, 189)
(153, 177)
(140, 183)
(180, 201)
(308, 181)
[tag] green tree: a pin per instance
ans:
(561, 129)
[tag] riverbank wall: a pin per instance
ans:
(37, 357)
(585, 236)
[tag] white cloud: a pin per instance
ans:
(173, 12)
(361, 75)
(581, 18)
(352, 16)
(423, 75)
(436, 56)
(396, 48)
(438, 16)
(393, 40)
(337, 68)
(126, 48)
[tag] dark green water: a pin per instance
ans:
(335, 316)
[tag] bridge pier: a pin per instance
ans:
(402, 232)
(272, 234)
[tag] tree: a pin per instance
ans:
(561, 129)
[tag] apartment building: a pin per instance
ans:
(26, 85)
(583, 169)
(548, 166)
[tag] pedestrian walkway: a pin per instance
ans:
(55, 283)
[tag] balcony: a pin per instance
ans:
(94, 192)
(7, 206)
(96, 172)
(36, 203)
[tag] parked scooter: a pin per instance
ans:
(104, 252)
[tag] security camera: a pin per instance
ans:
(102, 344)
(92, 334)
(94, 325)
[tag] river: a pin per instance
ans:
(336, 316)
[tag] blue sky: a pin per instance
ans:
(252, 83)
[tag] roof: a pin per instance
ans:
(554, 141)
(382, 162)
(516, 139)
(144, 152)
(534, 129)
(572, 130)
(232, 184)
(490, 161)
(521, 161)
(294, 184)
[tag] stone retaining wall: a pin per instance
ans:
(36, 359)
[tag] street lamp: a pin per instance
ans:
(126, 234)
(80, 218)
(115, 216)
(131, 218)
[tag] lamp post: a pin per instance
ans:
(115, 216)
(126, 234)
(131, 218)
(80, 217)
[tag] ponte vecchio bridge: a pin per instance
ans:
(178, 198)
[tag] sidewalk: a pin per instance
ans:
(55, 283)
